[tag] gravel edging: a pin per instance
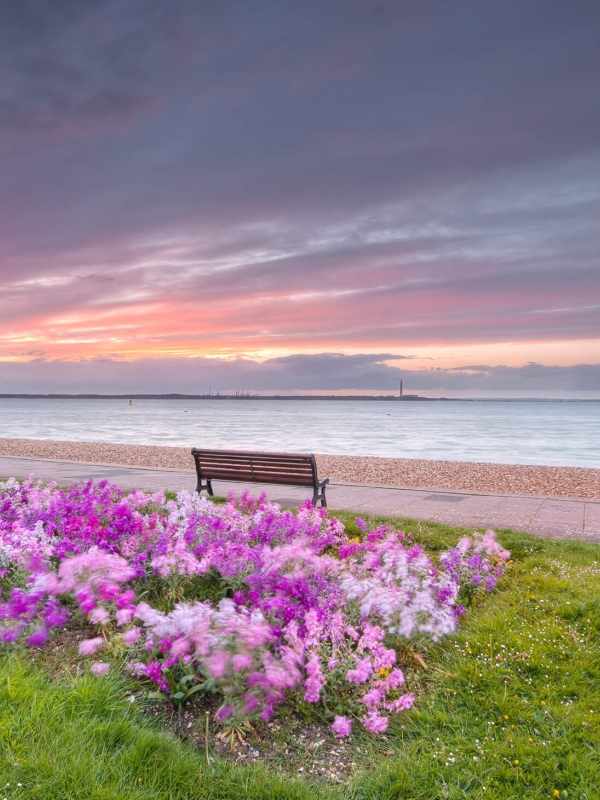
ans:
(574, 482)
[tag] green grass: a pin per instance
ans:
(83, 740)
(511, 703)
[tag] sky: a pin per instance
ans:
(324, 196)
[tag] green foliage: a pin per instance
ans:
(182, 680)
(165, 592)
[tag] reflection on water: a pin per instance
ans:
(513, 432)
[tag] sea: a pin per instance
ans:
(504, 432)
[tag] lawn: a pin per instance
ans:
(506, 707)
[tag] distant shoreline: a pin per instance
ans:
(352, 397)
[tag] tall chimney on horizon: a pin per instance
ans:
(401, 388)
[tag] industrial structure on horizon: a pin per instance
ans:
(403, 396)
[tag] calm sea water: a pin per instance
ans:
(513, 432)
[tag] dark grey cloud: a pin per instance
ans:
(302, 373)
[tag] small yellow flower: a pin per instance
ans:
(384, 673)
(556, 793)
(506, 716)
(530, 739)
(517, 761)
(139, 780)
(543, 703)
(356, 540)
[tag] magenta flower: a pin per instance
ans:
(37, 638)
(342, 726)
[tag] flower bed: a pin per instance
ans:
(244, 600)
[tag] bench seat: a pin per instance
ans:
(289, 469)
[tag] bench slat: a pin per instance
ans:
(275, 469)
(259, 477)
(257, 453)
(299, 469)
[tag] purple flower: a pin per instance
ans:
(37, 638)
(342, 726)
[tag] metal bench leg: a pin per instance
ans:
(323, 498)
(319, 496)
(207, 486)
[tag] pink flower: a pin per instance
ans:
(124, 616)
(89, 646)
(99, 616)
(131, 636)
(488, 544)
(99, 668)
(394, 680)
(315, 681)
(372, 697)
(375, 723)
(217, 663)
(401, 704)
(342, 726)
(241, 661)
(180, 647)
(362, 671)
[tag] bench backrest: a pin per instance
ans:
(293, 469)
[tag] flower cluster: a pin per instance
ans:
(307, 610)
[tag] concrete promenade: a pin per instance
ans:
(560, 518)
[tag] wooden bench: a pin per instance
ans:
(290, 469)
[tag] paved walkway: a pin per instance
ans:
(544, 516)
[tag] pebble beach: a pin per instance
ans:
(576, 482)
